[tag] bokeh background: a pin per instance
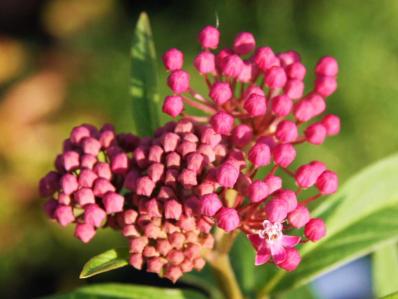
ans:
(63, 62)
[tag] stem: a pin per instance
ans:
(222, 268)
(270, 285)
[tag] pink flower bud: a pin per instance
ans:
(49, 184)
(183, 126)
(88, 161)
(246, 75)
(284, 154)
(172, 209)
(84, 232)
(173, 160)
(304, 111)
(294, 89)
(227, 175)
(120, 163)
(332, 124)
(78, 133)
(258, 191)
(163, 246)
(210, 204)
(220, 59)
(292, 260)
(220, 92)
(222, 122)
(186, 266)
(102, 186)
(327, 66)
(205, 63)
(315, 229)
(327, 182)
(286, 131)
(228, 219)
(173, 273)
(145, 186)
(107, 137)
(136, 261)
(129, 216)
(130, 181)
(318, 168)
(173, 59)
(318, 103)
(325, 86)
(296, 70)
(49, 207)
(186, 148)
(87, 178)
(178, 81)
(103, 170)
(276, 210)
(299, 216)
(64, 215)
(91, 146)
(195, 162)
(175, 257)
(253, 89)
(171, 177)
(242, 135)
(306, 176)
(289, 57)
(71, 160)
(94, 215)
(155, 171)
(273, 182)
(155, 265)
(173, 105)
(192, 251)
(275, 77)
(281, 105)
(233, 66)
(255, 105)
(210, 137)
(265, 58)
(260, 155)
(155, 154)
(138, 244)
(199, 263)
(69, 183)
(64, 199)
(113, 202)
(177, 240)
(209, 37)
(289, 197)
(188, 178)
(170, 142)
(84, 196)
(244, 43)
(315, 133)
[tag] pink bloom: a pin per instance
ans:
(260, 155)
(271, 242)
(327, 182)
(327, 66)
(296, 70)
(258, 191)
(228, 219)
(276, 210)
(244, 43)
(315, 229)
(173, 59)
(205, 63)
(173, 105)
(275, 77)
(242, 135)
(84, 232)
(315, 133)
(178, 81)
(209, 37)
(286, 131)
(292, 260)
(220, 92)
(210, 204)
(284, 154)
(325, 86)
(222, 122)
(281, 105)
(299, 216)
(227, 175)
(255, 105)
(332, 124)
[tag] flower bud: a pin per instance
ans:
(170, 142)
(172, 209)
(332, 124)
(265, 58)
(246, 75)
(199, 263)
(281, 105)
(276, 210)
(315, 133)
(242, 135)
(233, 66)
(87, 161)
(84, 196)
(64, 215)
(145, 186)
(327, 66)
(102, 186)
(136, 261)
(221, 57)
(315, 229)
(119, 163)
(138, 244)
(210, 204)
(113, 202)
(205, 63)
(292, 260)
(289, 57)
(244, 43)
(173, 59)
(69, 183)
(220, 92)
(304, 111)
(275, 77)
(294, 89)
(255, 105)
(325, 86)
(78, 133)
(84, 232)
(227, 175)
(71, 160)
(163, 246)
(296, 70)
(273, 182)
(87, 178)
(155, 154)
(284, 154)
(49, 184)
(260, 155)
(222, 122)
(195, 162)
(289, 197)
(178, 81)
(91, 146)
(318, 104)
(177, 240)
(228, 219)
(173, 105)
(188, 178)
(258, 191)
(299, 216)
(209, 37)
(173, 273)
(286, 131)
(306, 176)
(155, 265)
(327, 182)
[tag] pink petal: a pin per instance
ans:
(278, 253)
(262, 257)
(256, 241)
(290, 241)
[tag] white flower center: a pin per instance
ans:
(271, 231)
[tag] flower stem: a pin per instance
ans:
(222, 268)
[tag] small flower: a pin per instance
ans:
(315, 229)
(173, 105)
(173, 59)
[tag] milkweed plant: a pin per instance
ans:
(224, 168)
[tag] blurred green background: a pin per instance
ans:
(63, 62)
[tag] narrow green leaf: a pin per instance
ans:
(125, 291)
(304, 292)
(144, 78)
(361, 218)
(109, 260)
(385, 270)
(391, 296)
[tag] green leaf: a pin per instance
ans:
(391, 296)
(109, 260)
(304, 292)
(385, 270)
(125, 291)
(144, 78)
(361, 218)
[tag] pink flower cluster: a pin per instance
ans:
(256, 101)
(166, 192)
